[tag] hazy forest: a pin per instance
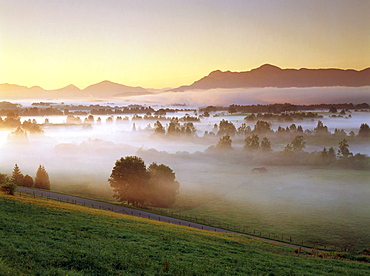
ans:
(297, 170)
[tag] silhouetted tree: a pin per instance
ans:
(129, 180)
(262, 127)
(27, 181)
(344, 148)
(42, 179)
(224, 143)
(226, 128)
(321, 129)
(265, 145)
(162, 185)
(333, 109)
(364, 130)
(252, 142)
(243, 130)
(158, 128)
(17, 176)
(298, 144)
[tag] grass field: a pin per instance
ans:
(40, 237)
(322, 207)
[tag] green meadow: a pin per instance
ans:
(45, 237)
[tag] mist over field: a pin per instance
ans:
(80, 158)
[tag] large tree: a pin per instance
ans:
(42, 179)
(17, 176)
(134, 184)
(129, 180)
(162, 185)
(27, 181)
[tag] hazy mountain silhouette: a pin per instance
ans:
(104, 89)
(272, 76)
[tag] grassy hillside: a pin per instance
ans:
(40, 237)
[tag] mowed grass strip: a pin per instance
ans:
(45, 237)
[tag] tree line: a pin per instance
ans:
(9, 184)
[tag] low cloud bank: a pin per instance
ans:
(246, 96)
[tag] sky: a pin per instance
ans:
(169, 43)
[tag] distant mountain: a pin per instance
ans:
(104, 89)
(272, 76)
(108, 88)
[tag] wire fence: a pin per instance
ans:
(195, 222)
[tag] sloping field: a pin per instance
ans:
(40, 237)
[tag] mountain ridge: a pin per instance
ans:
(269, 75)
(104, 89)
(266, 75)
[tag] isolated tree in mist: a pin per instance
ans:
(129, 179)
(298, 144)
(344, 148)
(333, 109)
(158, 128)
(364, 130)
(162, 185)
(321, 129)
(265, 145)
(134, 184)
(17, 176)
(252, 142)
(224, 143)
(262, 127)
(226, 128)
(42, 179)
(27, 181)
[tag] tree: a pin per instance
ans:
(17, 176)
(265, 145)
(343, 148)
(321, 129)
(328, 156)
(27, 181)
(333, 109)
(42, 179)
(298, 144)
(224, 143)
(243, 130)
(163, 187)
(226, 128)
(173, 126)
(129, 180)
(252, 142)
(158, 128)
(262, 127)
(364, 130)
(3, 178)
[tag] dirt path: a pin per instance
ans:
(143, 214)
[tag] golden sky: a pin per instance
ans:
(168, 43)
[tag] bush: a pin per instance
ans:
(9, 188)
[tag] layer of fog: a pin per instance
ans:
(247, 96)
(80, 160)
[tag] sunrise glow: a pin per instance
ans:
(158, 44)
